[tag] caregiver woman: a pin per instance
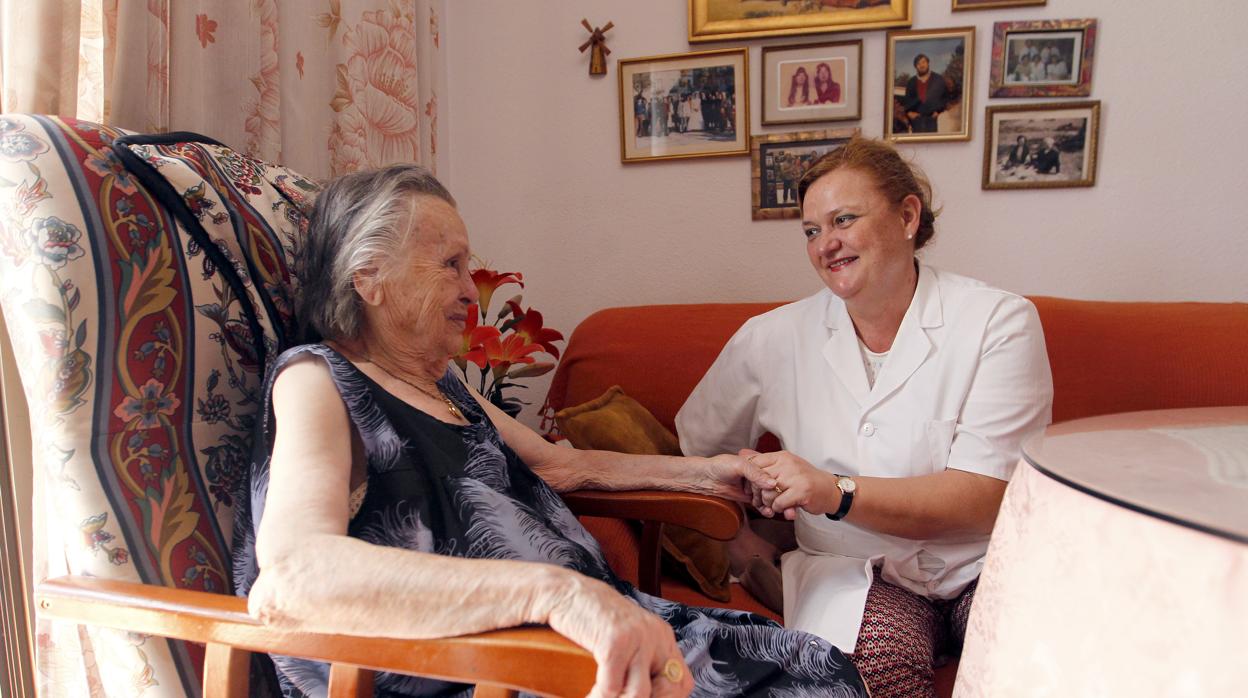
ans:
(901, 394)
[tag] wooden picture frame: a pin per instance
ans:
(939, 107)
(685, 105)
(964, 5)
(1042, 58)
(723, 20)
(1041, 146)
(776, 163)
(811, 83)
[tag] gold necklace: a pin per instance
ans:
(449, 405)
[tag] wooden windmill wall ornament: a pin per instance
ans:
(598, 40)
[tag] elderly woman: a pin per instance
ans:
(388, 499)
(901, 394)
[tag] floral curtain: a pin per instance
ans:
(321, 86)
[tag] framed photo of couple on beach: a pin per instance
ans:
(930, 73)
(1041, 146)
(721, 20)
(685, 105)
(812, 82)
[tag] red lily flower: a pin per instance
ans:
(474, 337)
(530, 327)
(502, 354)
(488, 280)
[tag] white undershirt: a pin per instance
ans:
(872, 361)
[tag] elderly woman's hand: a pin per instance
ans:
(733, 477)
(636, 651)
(798, 484)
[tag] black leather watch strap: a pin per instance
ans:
(847, 501)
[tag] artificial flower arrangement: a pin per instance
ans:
(506, 348)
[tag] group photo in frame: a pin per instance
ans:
(1042, 58)
(930, 88)
(961, 5)
(1041, 146)
(721, 20)
(777, 162)
(685, 105)
(809, 83)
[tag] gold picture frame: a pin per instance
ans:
(723, 20)
(838, 98)
(935, 111)
(1047, 145)
(685, 105)
(776, 163)
(964, 5)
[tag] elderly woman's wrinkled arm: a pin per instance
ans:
(314, 577)
(567, 469)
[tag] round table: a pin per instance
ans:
(1119, 562)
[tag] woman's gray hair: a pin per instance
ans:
(360, 221)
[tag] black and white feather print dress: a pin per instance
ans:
(460, 491)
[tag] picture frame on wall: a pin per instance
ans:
(809, 83)
(1042, 58)
(1041, 146)
(962, 5)
(685, 105)
(721, 20)
(929, 94)
(776, 163)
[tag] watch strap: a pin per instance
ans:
(847, 500)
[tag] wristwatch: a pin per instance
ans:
(847, 487)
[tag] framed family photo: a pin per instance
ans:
(1045, 58)
(685, 105)
(720, 20)
(930, 76)
(1041, 146)
(777, 162)
(960, 5)
(812, 82)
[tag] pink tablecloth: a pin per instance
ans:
(1081, 597)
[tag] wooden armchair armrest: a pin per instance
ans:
(718, 518)
(535, 659)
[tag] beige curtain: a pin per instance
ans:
(321, 86)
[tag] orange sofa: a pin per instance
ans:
(1106, 357)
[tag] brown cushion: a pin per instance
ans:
(615, 422)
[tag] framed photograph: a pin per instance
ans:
(930, 75)
(959, 5)
(1041, 146)
(777, 162)
(812, 82)
(719, 20)
(685, 105)
(1046, 58)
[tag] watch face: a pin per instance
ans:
(846, 484)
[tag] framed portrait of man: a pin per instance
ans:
(930, 77)
(685, 105)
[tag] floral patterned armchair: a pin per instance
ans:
(145, 282)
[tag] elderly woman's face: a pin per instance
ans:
(855, 237)
(428, 288)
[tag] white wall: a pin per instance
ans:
(535, 164)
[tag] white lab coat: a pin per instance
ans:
(966, 379)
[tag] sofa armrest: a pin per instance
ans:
(715, 517)
(532, 659)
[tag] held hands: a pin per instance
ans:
(798, 484)
(733, 477)
(636, 651)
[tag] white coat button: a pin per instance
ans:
(868, 429)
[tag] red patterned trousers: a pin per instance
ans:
(902, 635)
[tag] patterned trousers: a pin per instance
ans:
(903, 634)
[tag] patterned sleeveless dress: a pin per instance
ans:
(460, 491)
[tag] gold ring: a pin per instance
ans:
(673, 671)
(779, 489)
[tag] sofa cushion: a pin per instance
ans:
(615, 422)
